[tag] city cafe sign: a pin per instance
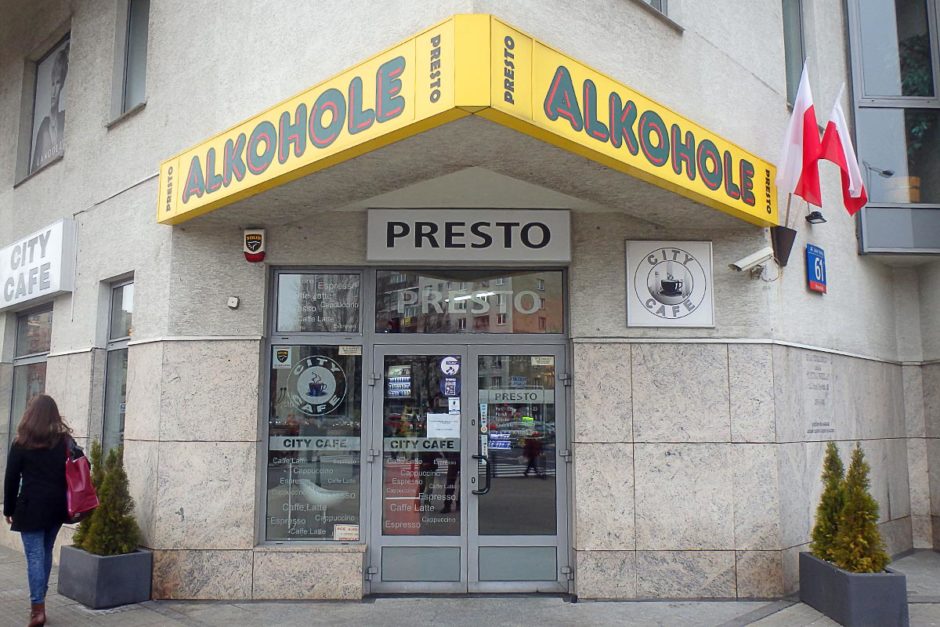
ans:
(40, 265)
(468, 65)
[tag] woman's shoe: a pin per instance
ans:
(37, 615)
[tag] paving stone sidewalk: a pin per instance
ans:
(922, 569)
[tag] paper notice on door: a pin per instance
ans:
(453, 405)
(443, 425)
(543, 360)
(347, 533)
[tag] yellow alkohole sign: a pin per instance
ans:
(468, 65)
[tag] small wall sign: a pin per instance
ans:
(669, 284)
(815, 269)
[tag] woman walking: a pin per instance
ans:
(34, 493)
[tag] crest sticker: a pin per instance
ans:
(281, 358)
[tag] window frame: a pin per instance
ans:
(119, 107)
(26, 359)
(113, 345)
(791, 97)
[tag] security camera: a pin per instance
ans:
(753, 260)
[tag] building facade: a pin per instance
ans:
(472, 296)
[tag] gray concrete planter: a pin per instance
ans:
(853, 599)
(105, 581)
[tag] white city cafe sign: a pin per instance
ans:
(38, 266)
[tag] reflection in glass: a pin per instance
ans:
(122, 311)
(899, 150)
(517, 406)
(421, 450)
(895, 48)
(314, 423)
(34, 333)
(793, 45)
(318, 303)
(115, 394)
(28, 381)
(465, 301)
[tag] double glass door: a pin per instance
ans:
(469, 469)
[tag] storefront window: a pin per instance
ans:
(33, 340)
(34, 333)
(115, 394)
(895, 48)
(313, 474)
(317, 303)
(900, 154)
(492, 302)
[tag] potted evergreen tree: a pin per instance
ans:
(845, 575)
(105, 567)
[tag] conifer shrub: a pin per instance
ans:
(97, 478)
(858, 546)
(112, 529)
(830, 505)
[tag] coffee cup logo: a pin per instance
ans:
(317, 385)
(670, 283)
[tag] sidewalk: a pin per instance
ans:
(922, 569)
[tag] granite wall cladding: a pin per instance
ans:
(316, 572)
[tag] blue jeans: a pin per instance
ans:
(38, 548)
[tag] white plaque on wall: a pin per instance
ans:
(669, 284)
(469, 235)
(40, 265)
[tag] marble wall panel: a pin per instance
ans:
(307, 575)
(873, 394)
(210, 391)
(919, 476)
(70, 381)
(605, 574)
(933, 472)
(680, 393)
(799, 470)
(759, 574)
(804, 414)
(914, 401)
(144, 390)
(756, 509)
(202, 574)
(922, 532)
(791, 567)
(206, 495)
(684, 496)
(603, 405)
(887, 460)
(751, 381)
(897, 535)
(685, 574)
(141, 460)
(931, 384)
(604, 512)
(935, 530)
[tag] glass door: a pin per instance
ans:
(470, 481)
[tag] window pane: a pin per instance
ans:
(469, 301)
(28, 381)
(313, 445)
(48, 131)
(895, 48)
(114, 395)
(34, 333)
(122, 311)
(793, 45)
(135, 67)
(321, 303)
(899, 150)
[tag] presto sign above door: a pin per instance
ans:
(480, 236)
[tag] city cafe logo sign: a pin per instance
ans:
(669, 284)
(316, 385)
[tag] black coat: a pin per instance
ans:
(40, 502)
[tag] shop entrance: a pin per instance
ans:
(469, 469)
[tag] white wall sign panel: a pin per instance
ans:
(40, 265)
(669, 284)
(473, 235)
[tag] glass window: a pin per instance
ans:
(659, 5)
(115, 395)
(899, 151)
(122, 311)
(314, 422)
(135, 60)
(29, 380)
(794, 55)
(421, 304)
(33, 333)
(318, 303)
(895, 48)
(48, 131)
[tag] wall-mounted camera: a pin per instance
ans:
(753, 262)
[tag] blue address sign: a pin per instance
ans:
(816, 268)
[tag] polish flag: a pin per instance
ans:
(798, 173)
(837, 148)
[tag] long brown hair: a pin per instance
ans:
(41, 425)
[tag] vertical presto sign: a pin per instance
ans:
(40, 265)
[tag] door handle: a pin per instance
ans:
(489, 474)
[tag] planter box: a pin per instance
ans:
(853, 598)
(105, 581)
